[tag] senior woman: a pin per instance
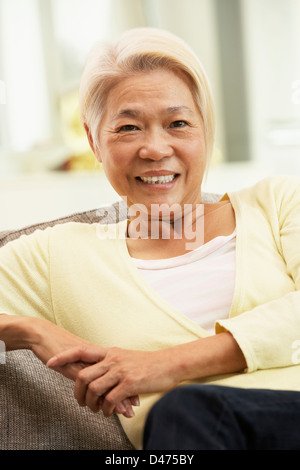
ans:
(183, 292)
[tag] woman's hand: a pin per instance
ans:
(116, 374)
(42, 337)
(46, 339)
(50, 339)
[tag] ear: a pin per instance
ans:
(91, 142)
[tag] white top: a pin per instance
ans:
(199, 284)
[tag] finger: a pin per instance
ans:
(84, 379)
(125, 408)
(110, 402)
(116, 397)
(89, 354)
(135, 401)
(99, 388)
(71, 370)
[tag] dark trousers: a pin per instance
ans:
(208, 417)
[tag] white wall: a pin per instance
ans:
(272, 50)
(195, 22)
(26, 105)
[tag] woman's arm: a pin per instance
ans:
(46, 339)
(267, 332)
(41, 336)
(117, 374)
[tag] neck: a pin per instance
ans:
(166, 223)
(218, 220)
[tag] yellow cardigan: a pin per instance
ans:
(81, 277)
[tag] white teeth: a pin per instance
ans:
(158, 179)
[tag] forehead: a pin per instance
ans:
(162, 88)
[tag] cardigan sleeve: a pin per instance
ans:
(24, 277)
(269, 334)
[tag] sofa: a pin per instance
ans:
(37, 407)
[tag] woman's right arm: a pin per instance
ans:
(13, 331)
(39, 335)
(45, 340)
(28, 320)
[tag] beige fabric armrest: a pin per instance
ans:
(39, 412)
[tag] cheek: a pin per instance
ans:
(117, 155)
(195, 151)
(115, 165)
(121, 160)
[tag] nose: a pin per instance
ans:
(156, 146)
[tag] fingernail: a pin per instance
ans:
(121, 408)
(130, 412)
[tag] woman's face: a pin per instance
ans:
(151, 140)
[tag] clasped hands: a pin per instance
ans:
(113, 378)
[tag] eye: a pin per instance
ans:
(128, 128)
(178, 124)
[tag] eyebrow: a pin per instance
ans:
(179, 108)
(136, 113)
(127, 112)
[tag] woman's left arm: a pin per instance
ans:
(268, 333)
(116, 374)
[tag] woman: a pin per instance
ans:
(129, 311)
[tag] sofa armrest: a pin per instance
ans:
(39, 412)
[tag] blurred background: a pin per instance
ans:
(249, 48)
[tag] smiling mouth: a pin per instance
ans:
(157, 179)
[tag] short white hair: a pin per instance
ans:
(142, 50)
